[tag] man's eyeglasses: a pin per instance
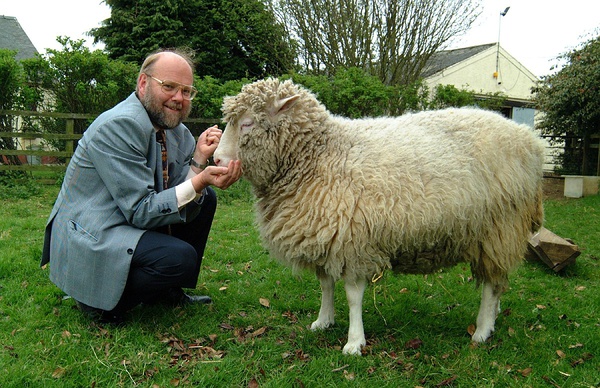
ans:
(171, 88)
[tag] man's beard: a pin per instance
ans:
(161, 118)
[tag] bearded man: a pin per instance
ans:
(133, 215)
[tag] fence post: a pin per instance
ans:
(70, 130)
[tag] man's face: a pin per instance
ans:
(165, 111)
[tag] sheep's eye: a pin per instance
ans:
(246, 124)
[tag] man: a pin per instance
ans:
(123, 230)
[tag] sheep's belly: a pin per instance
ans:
(423, 262)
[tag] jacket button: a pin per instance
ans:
(130, 251)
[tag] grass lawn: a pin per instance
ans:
(255, 334)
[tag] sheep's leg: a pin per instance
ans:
(355, 289)
(326, 313)
(488, 311)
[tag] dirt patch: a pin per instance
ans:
(554, 187)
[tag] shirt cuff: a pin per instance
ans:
(185, 193)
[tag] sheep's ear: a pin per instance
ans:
(283, 104)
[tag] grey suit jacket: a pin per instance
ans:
(112, 193)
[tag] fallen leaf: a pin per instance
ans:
(414, 343)
(264, 302)
(580, 288)
(222, 288)
(540, 306)
(447, 382)
(58, 373)
(471, 330)
(560, 354)
(577, 345)
(259, 332)
(526, 372)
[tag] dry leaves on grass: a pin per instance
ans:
(244, 334)
(179, 350)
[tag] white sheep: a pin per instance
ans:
(352, 198)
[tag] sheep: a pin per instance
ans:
(351, 198)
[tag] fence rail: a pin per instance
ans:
(69, 136)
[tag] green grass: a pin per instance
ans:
(547, 336)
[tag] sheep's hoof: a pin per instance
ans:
(481, 335)
(352, 349)
(320, 325)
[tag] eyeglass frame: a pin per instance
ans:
(176, 87)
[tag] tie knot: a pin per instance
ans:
(161, 136)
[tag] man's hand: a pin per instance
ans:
(221, 177)
(207, 144)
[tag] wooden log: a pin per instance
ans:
(555, 251)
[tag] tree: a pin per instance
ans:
(76, 80)
(11, 85)
(391, 39)
(232, 39)
(570, 103)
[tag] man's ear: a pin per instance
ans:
(142, 84)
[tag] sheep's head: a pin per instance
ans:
(261, 124)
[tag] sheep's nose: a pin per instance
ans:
(219, 161)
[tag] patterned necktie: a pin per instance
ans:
(162, 139)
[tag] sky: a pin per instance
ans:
(534, 32)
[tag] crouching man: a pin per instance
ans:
(133, 215)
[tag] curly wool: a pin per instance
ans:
(414, 193)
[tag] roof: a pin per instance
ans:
(13, 37)
(444, 59)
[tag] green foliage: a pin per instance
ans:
(409, 98)
(354, 93)
(15, 184)
(569, 97)
(11, 80)
(445, 96)
(75, 80)
(449, 96)
(207, 104)
(233, 39)
(569, 100)
(81, 81)
(13, 95)
(547, 334)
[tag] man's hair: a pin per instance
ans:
(151, 59)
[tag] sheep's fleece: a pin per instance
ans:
(352, 198)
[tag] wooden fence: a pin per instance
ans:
(69, 136)
(196, 126)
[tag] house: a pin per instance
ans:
(486, 69)
(489, 69)
(13, 37)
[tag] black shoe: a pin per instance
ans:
(176, 297)
(101, 316)
(195, 299)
